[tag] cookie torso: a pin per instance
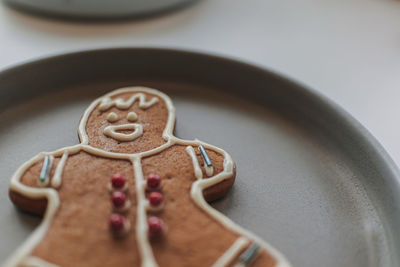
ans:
(80, 229)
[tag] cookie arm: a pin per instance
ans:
(23, 187)
(215, 163)
(30, 185)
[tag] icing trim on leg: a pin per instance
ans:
(232, 252)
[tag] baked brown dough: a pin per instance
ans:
(132, 194)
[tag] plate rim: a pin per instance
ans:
(366, 140)
(299, 86)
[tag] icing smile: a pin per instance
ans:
(113, 131)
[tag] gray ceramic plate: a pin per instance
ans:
(97, 9)
(311, 180)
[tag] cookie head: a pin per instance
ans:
(129, 120)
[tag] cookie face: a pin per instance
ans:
(132, 194)
(128, 122)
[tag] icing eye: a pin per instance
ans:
(131, 116)
(112, 117)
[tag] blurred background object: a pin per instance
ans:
(97, 9)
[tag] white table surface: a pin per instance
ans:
(348, 50)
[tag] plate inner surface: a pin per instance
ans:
(294, 187)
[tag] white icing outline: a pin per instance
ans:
(144, 247)
(112, 131)
(232, 252)
(196, 166)
(120, 103)
(32, 261)
(56, 180)
(209, 169)
(196, 192)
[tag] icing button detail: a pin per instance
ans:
(155, 198)
(118, 180)
(112, 117)
(117, 223)
(132, 116)
(156, 226)
(153, 181)
(118, 199)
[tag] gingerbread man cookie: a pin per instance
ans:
(132, 194)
